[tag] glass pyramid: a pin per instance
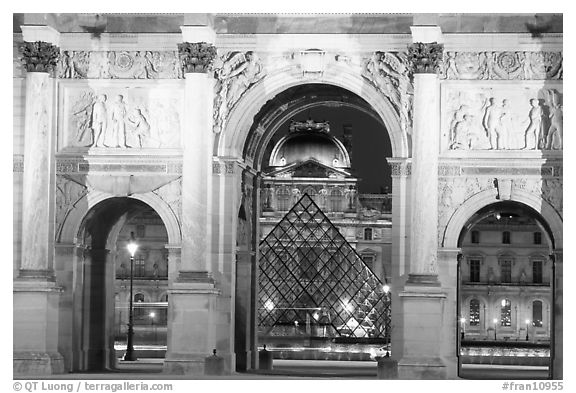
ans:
(312, 282)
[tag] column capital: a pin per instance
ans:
(196, 57)
(425, 58)
(39, 56)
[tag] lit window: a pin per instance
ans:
(537, 237)
(506, 313)
(367, 233)
(475, 237)
(506, 237)
(537, 272)
(139, 267)
(474, 270)
(474, 312)
(537, 313)
(139, 297)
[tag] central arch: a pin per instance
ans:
(231, 141)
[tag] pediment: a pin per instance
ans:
(309, 168)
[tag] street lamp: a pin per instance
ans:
(152, 315)
(527, 322)
(463, 327)
(495, 320)
(130, 355)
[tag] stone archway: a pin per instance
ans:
(231, 141)
(549, 221)
(86, 252)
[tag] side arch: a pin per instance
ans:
(73, 222)
(230, 141)
(460, 217)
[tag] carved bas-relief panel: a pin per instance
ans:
(119, 116)
(68, 193)
(505, 116)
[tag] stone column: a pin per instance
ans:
(424, 316)
(558, 318)
(35, 291)
(193, 296)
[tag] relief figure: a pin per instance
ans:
(491, 122)
(140, 126)
(99, 121)
(118, 126)
(532, 133)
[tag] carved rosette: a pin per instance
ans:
(39, 56)
(196, 57)
(425, 58)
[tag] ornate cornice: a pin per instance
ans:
(80, 165)
(39, 56)
(425, 58)
(196, 57)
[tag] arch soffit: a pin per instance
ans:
(231, 141)
(484, 198)
(73, 223)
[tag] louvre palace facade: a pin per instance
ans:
(332, 186)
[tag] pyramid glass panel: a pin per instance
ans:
(314, 284)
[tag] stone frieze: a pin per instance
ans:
(502, 65)
(119, 65)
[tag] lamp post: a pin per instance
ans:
(152, 315)
(130, 355)
(527, 322)
(386, 289)
(495, 320)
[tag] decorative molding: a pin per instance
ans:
(196, 57)
(503, 65)
(119, 65)
(18, 163)
(230, 167)
(39, 56)
(236, 73)
(425, 58)
(401, 169)
(507, 171)
(449, 170)
(81, 165)
(216, 168)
